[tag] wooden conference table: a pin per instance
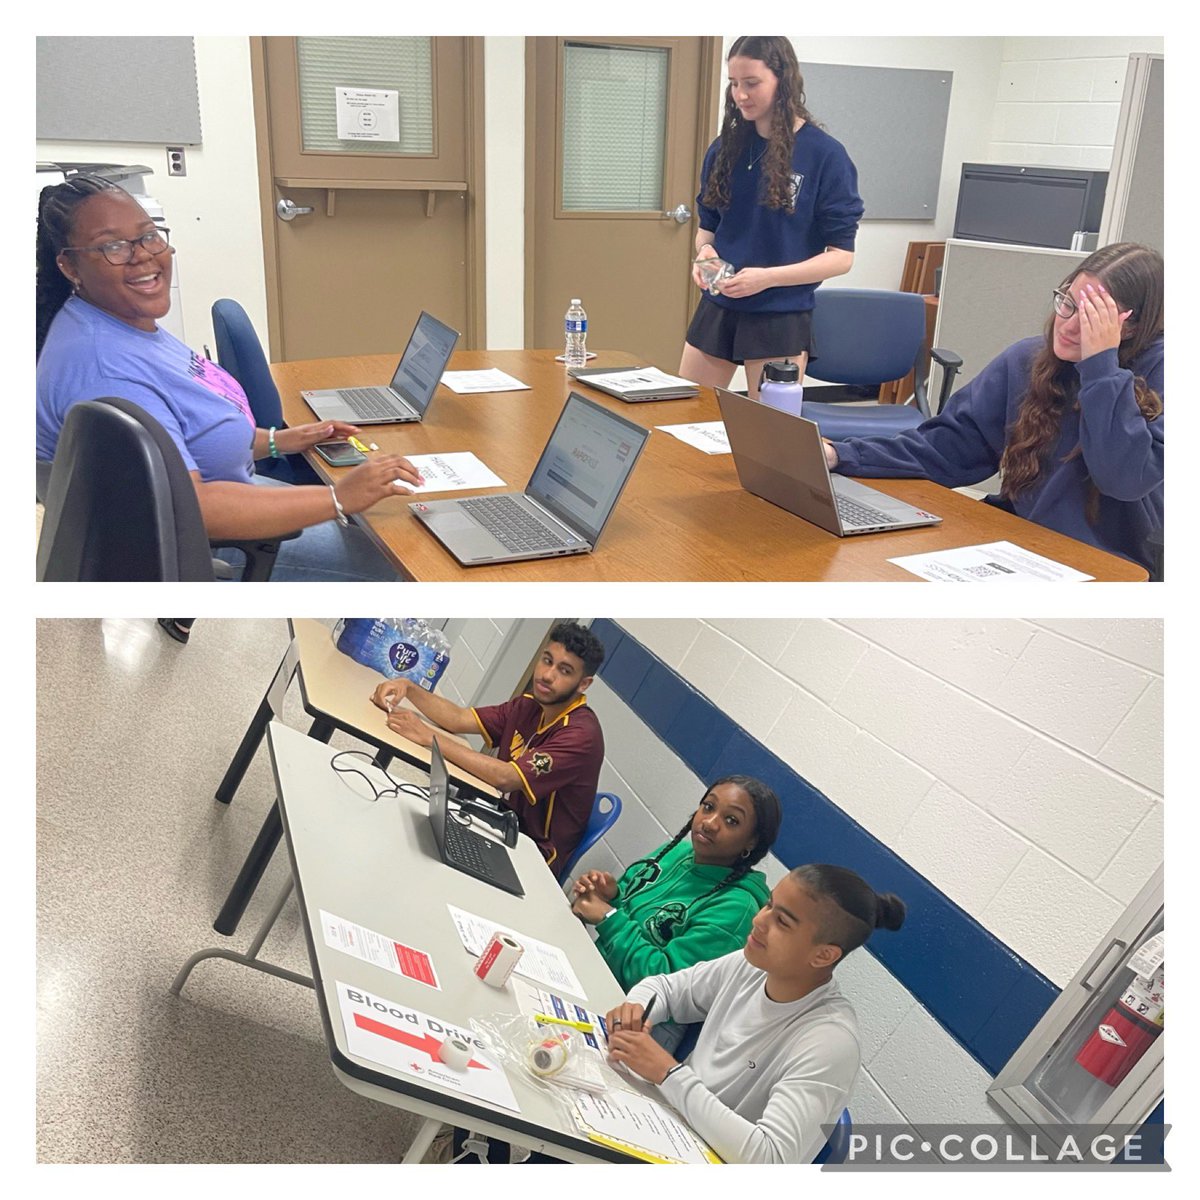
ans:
(683, 516)
(336, 692)
(375, 864)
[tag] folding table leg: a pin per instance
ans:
(260, 855)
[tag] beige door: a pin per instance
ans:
(616, 134)
(369, 175)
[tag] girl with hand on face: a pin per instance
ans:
(103, 282)
(779, 201)
(1072, 420)
(695, 896)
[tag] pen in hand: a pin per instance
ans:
(647, 1009)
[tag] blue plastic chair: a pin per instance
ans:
(838, 1145)
(865, 337)
(241, 354)
(605, 811)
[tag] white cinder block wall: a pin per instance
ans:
(473, 649)
(1059, 98)
(1017, 765)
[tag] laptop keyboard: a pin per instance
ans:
(856, 514)
(512, 523)
(369, 402)
(465, 848)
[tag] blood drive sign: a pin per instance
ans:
(409, 1042)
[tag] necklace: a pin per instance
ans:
(759, 157)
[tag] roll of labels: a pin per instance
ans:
(498, 959)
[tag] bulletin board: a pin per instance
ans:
(892, 122)
(117, 89)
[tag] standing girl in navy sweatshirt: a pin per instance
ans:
(779, 201)
(1072, 420)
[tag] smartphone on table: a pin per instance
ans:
(339, 454)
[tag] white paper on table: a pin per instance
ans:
(709, 436)
(379, 949)
(994, 562)
(541, 962)
(408, 1042)
(452, 472)
(532, 999)
(635, 1120)
(488, 380)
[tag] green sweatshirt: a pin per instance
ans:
(654, 932)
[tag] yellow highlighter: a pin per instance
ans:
(582, 1026)
(358, 445)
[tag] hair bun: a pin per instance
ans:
(890, 911)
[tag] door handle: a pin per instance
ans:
(288, 211)
(682, 214)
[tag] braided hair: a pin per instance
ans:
(57, 206)
(768, 816)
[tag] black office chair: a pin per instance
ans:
(241, 354)
(865, 337)
(121, 506)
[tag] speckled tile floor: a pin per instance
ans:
(134, 857)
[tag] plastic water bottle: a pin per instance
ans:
(781, 387)
(435, 659)
(575, 325)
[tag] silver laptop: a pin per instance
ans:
(458, 844)
(781, 458)
(412, 387)
(566, 504)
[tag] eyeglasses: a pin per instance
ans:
(121, 252)
(1064, 304)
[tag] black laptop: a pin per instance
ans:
(459, 845)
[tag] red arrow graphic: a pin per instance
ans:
(426, 1043)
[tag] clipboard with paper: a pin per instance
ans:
(639, 1126)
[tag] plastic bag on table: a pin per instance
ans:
(553, 1054)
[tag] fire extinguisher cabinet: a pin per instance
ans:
(1096, 1058)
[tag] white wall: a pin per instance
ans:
(214, 213)
(1059, 98)
(1016, 764)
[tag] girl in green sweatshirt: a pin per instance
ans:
(694, 898)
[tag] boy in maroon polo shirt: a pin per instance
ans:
(548, 741)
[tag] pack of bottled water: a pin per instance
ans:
(396, 647)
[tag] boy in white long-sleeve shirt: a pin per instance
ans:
(779, 1049)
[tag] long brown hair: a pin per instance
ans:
(777, 54)
(1133, 274)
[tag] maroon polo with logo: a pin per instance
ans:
(559, 764)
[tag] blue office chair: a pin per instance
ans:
(838, 1145)
(605, 811)
(865, 337)
(241, 354)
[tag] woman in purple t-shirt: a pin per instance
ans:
(103, 282)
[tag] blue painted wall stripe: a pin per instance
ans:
(986, 996)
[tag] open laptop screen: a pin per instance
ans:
(586, 464)
(425, 358)
(438, 799)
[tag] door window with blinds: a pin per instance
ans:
(614, 131)
(386, 76)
